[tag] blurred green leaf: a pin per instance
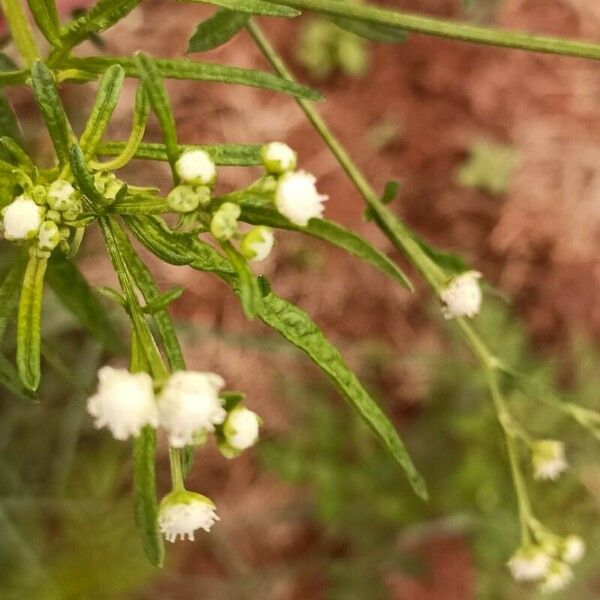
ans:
(217, 30)
(253, 7)
(10, 290)
(46, 17)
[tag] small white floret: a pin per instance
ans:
(278, 158)
(462, 296)
(529, 564)
(196, 167)
(548, 459)
(124, 402)
(189, 405)
(61, 195)
(573, 549)
(182, 513)
(242, 428)
(22, 219)
(558, 577)
(297, 198)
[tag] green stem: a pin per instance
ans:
(432, 273)
(401, 235)
(449, 29)
(20, 30)
(176, 470)
(505, 419)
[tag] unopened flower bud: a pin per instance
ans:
(462, 296)
(53, 215)
(573, 549)
(548, 459)
(21, 218)
(61, 195)
(182, 513)
(196, 167)
(257, 244)
(39, 194)
(529, 563)
(240, 431)
(223, 224)
(48, 236)
(278, 158)
(558, 577)
(183, 199)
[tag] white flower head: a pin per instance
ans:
(257, 244)
(573, 549)
(548, 459)
(196, 167)
(189, 405)
(22, 218)
(529, 564)
(61, 195)
(181, 513)
(297, 198)
(278, 158)
(241, 428)
(124, 402)
(558, 577)
(462, 296)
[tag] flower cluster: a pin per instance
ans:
(293, 194)
(189, 408)
(45, 214)
(547, 562)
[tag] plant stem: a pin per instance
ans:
(401, 236)
(176, 470)
(449, 29)
(20, 30)
(432, 273)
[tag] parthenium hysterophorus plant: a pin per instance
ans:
(46, 212)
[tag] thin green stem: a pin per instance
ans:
(449, 29)
(506, 420)
(401, 236)
(20, 30)
(177, 480)
(432, 273)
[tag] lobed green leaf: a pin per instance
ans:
(198, 71)
(217, 30)
(50, 105)
(10, 290)
(297, 327)
(154, 86)
(145, 505)
(46, 17)
(128, 149)
(105, 103)
(29, 322)
(238, 155)
(101, 16)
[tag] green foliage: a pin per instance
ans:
(217, 30)
(454, 437)
(489, 167)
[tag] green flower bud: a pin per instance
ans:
(278, 158)
(48, 236)
(223, 224)
(53, 215)
(183, 199)
(204, 195)
(61, 195)
(256, 245)
(39, 194)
